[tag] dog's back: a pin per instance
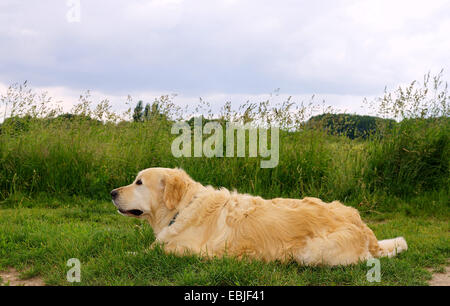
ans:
(310, 231)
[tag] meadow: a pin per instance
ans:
(56, 171)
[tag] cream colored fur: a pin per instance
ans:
(216, 222)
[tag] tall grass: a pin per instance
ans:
(95, 150)
(414, 155)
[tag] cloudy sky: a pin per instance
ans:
(228, 50)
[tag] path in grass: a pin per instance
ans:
(38, 241)
(11, 277)
(441, 279)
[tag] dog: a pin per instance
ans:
(187, 217)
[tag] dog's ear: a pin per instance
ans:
(174, 189)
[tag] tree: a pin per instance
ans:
(352, 126)
(147, 112)
(150, 112)
(137, 114)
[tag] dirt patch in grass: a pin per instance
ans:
(11, 277)
(441, 279)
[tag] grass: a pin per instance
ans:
(40, 238)
(56, 173)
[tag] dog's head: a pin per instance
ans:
(155, 191)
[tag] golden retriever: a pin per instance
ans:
(189, 217)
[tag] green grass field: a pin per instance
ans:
(39, 240)
(56, 174)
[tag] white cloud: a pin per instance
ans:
(336, 49)
(158, 14)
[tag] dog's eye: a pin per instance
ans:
(139, 182)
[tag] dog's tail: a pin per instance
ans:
(391, 247)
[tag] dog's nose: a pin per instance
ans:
(114, 194)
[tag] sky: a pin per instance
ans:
(339, 50)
